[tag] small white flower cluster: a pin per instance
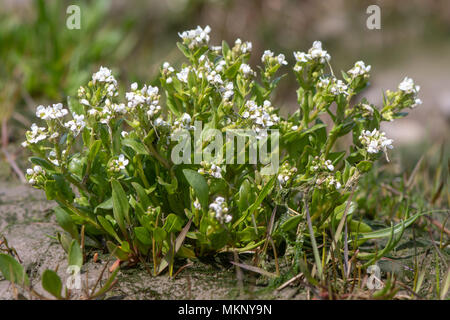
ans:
(76, 125)
(119, 164)
(268, 57)
(197, 204)
(51, 112)
(247, 71)
(33, 173)
(227, 91)
(359, 69)
(243, 47)
(109, 111)
(159, 122)
(210, 169)
(408, 87)
(147, 97)
(286, 174)
(321, 164)
(220, 210)
(104, 75)
(333, 86)
(375, 141)
(315, 53)
(183, 123)
(167, 70)
(52, 157)
(35, 135)
(262, 116)
(183, 74)
(195, 37)
(332, 182)
(366, 108)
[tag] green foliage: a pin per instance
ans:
(114, 166)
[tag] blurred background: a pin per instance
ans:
(42, 61)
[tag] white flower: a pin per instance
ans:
(36, 134)
(281, 59)
(33, 173)
(85, 102)
(262, 117)
(375, 141)
(120, 163)
(333, 182)
(359, 69)
(317, 53)
(329, 165)
(301, 56)
(124, 134)
(333, 85)
(247, 70)
(269, 56)
(228, 91)
(407, 86)
(51, 112)
(159, 122)
(220, 210)
(76, 125)
(243, 47)
(266, 55)
(197, 205)
(147, 99)
(104, 75)
(183, 75)
(134, 86)
(42, 112)
(417, 102)
(196, 37)
(210, 169)
(338, 87)
(286, 174)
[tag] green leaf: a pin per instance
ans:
(184, 49)
(107, 205)
(42, 162)
(225, 48)
(120, 205)
(143, 235)
(108, 227)
(75, 254)
(159, 234)
(142, 194)
(178, 243)
(262, 195)
(232, 70)
(173, 223)
(93, 150)
(51, 282)
(13, 270)
(75, 106)
(66, 222)
(364, 166)
(199, 184)
(137, 146)
(117, 251)
(244, 195)
(292, 222)
(386, 232)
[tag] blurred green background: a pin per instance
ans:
(42, 61)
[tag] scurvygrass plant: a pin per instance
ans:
(123, 175)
